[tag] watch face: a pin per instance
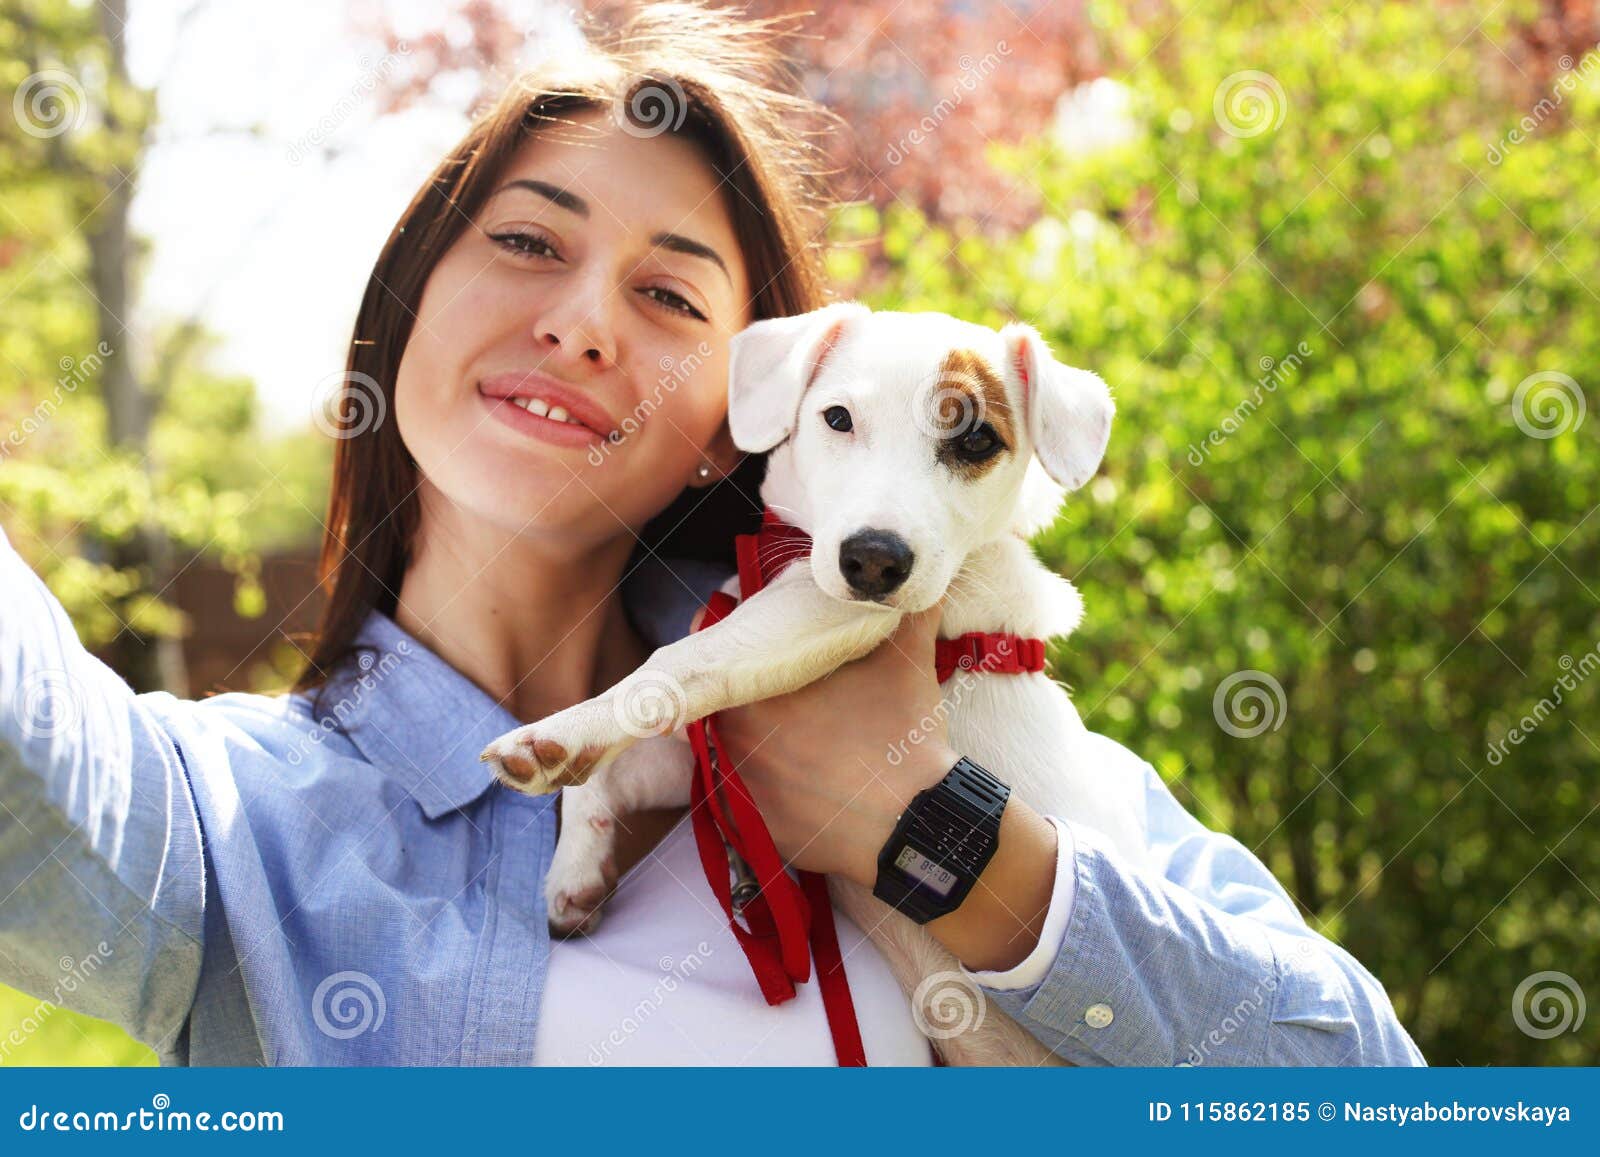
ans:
(925, 872)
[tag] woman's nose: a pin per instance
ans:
(588, 351)
(577, 333)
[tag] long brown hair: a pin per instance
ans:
(712, 76)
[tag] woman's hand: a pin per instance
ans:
(832, 766)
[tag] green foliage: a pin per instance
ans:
(38, 1033)
(207, 478)
(1360, 517)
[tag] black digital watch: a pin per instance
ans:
(942, 843)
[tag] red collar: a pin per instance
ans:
(764, 555)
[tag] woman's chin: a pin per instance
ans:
(527, 491)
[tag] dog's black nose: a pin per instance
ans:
(875, 562)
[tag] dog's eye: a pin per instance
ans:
(838, 418)
(976, 444)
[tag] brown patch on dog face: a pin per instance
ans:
(968, 395)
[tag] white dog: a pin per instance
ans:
(920, 453)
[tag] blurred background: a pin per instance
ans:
(1339, 262)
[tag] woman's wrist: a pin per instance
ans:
(921, 769)
(1000, 921)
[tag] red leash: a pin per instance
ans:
(787, 923)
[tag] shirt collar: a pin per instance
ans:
(416, 718)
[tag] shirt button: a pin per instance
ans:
(1098, 1015)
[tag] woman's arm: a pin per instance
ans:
(102, 880)
(1200, 958)
(1197, 957)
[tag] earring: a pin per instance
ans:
(703, 471)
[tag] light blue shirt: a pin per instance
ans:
(251, 879)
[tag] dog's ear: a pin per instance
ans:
(1068, 410)
(770, 365)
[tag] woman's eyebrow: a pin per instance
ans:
(677, 242)
(569, 201)
(681, 244)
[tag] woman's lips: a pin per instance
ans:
(545, 392)
(546, 429)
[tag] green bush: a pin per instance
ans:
(1316, 291)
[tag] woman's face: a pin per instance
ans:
(602, 275)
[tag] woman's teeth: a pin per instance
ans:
(537, 406)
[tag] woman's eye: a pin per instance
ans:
(533, 245)
(676, 302)
(977, 444)
(524, 244)
(838, 418)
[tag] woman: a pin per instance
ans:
(328, 878)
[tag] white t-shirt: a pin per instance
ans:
(664, 982)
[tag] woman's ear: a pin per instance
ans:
(770, 365)
(1068, 410)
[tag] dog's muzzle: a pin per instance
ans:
(875, 563)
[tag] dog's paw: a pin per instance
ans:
(574, 893)
(561, 751)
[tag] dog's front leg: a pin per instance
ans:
(654, 773)
(785, 636)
